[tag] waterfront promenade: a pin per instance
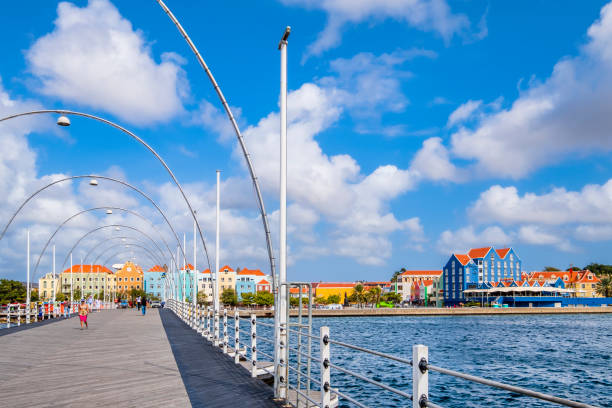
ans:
(125, 360)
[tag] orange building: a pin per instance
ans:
(584, 283)
(129, 277)
(342, 289)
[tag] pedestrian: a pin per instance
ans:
(83, 312)
(66, 309)
(90, 303)
(143, 302)
(138, 300)
(40, 312)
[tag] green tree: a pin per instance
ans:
(202, 298)
(551, 269)
(60, 297)
(392, 297)
(359, 294)
(320, 300)
(294, 302)
(331, 299)
(604, 287)
(599, 269)
(228, 297)
(264, 298)
(76, 294)
(34, 295)
(247, 299)
(396, 274)
(12, 291)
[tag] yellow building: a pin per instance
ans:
(342, 289)
(129, 277)
(46, 285)
(89, 279)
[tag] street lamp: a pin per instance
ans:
(93, 182)
(63, 121)
(109, 211)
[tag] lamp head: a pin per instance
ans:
(63, 121)
(93, 182)
(109, 211)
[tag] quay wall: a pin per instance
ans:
(465, 311)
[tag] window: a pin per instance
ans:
(132, 279)
(137, 279)
(44, 285)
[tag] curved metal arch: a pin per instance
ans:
(101, 178)
(155, 257)
(247, 156)
(133, 136)
(108, 240)
(108, 226)
(93, 209)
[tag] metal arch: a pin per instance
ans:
(246, 154)
(108, 240)
(95, 177)
(138, 139)
(92, 209)
(154, 256)
(108, 226)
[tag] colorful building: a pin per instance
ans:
(205, 285)
(263, 286)
(407, 278)
(479, 265)
(154, 281)
(129, 277)
(246, 281)
(89, 279)
(227, 279)
(342, 289)
(47, 285)
(583, 283)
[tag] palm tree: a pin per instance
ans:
(359, 295)
(604, 287)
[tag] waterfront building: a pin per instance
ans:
(47, 284)
(479, 265)
(583, 283)
(205, 285)
(129, 277)
(246, 281)
(342, 289)
(385, 287)
(264, 286)
(185, 280)
(89, 279)
(154, 281)
(227, 279)
(407, 278)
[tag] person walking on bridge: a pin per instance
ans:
(143, 304)
(83, 312)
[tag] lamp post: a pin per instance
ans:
(28, 296)
(283, 353)
(64, 121)
(215, 276)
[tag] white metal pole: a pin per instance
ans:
(53, 281)
(28, 278)
(281, 307)
(184, 296)
(71, 297)
(217, 243)
(195, 268)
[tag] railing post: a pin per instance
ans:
(216, 328)
(325, 368)
(224, 331)
(18, 315)
(8, 316)
(236, 336)
(253, 346)
(420, 376)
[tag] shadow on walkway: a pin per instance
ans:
(14, 328)
(210, 377)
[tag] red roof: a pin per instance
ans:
(263, 282)
(188, 266)
(336, 285)
(295, 290)
(206, 271)
(255, 272)
(157, 268)
(502, 252)
(423, 273)
(427, 282)
(464, 259)
(87, 269)
(587, 276)
(226, 267)
(478, 252)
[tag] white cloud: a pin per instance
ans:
(468, 237)
(95, 58)
(426, 15)
(568, 113)
(592, 204)
(536, 235)
(432, 162)
(463, 112)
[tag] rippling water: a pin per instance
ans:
(564, 355)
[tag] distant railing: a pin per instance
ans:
(15, 314)
(313, 387)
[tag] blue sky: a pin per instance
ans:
(415, 129)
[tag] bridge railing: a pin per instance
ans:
(16, 314)
(250, 341)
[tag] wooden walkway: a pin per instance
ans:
(123, 360)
